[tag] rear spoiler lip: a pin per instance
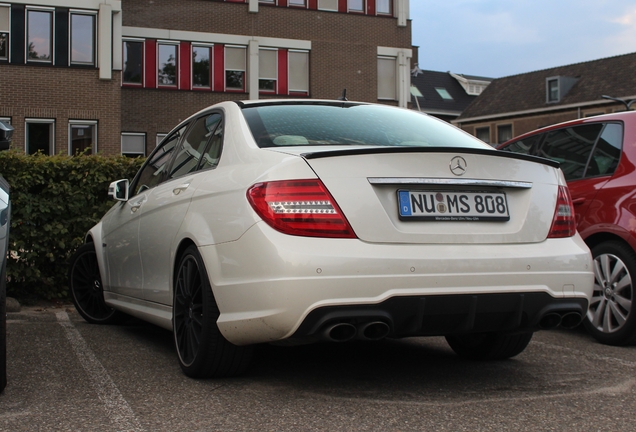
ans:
(455, 150)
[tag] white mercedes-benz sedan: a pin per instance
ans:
(299, 221)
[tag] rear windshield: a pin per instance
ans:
(346, 124)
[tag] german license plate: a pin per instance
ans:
(453, 206)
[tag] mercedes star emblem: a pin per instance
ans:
(458, 165)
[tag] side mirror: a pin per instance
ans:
(118, 190)
(6, 132)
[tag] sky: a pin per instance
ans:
(497, 38)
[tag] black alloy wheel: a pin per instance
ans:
(489, 346)
(610, 317)
(86, 287)
(203, 351)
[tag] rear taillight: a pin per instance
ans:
(299, 207)
(563, 223)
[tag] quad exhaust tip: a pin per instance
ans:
(568, 320)
(343, 332)
(340, 332)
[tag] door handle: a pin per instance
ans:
(134, 206)
(177, 190)
(578, 201)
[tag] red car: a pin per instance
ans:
(598, 158)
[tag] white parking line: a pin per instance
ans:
(119, 412)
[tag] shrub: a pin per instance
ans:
(55, 200)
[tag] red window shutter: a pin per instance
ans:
(283, 84)
(219, 68)
(371, 7)
(150, 65)
(185, 66)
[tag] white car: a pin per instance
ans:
(305, 220)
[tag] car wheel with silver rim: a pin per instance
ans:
(610, 318)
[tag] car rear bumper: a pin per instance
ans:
(270, 286)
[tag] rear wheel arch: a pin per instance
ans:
(602, 237)
(183, 246)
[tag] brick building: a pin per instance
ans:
(116, 76)
(517, 104)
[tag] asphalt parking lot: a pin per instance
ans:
(67, 375)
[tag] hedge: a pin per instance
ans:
(55, 200)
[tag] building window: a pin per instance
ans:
(133, 62)
(167, 72)
(82, 39)
(268, 70)
(5, 120)
(160, 137)
(201, 66)
(40, 136)
(40, 36)
(330, 5)
(384, 7)
(504, 133)
(553, 90)
(297, 3)
(443, 93)
(5, 27)
(387, 78)
(133, 144)
(82, 136)
(298, 72)
(356, 5)
(235, 68)
(483, 133)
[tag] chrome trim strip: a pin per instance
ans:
(447, 181)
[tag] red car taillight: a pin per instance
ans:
(299, 207)
(563, 223)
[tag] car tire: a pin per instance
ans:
(610, 318)
(488, 346)
(85, 283)
(202, 350)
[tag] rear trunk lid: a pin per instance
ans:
(439, 195)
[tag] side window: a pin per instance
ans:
(607, 152)
(153, 171)
(194, 144)
(527, 145)
(213, 152)
(571, 147)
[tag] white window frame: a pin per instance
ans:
(364, 7)
(123, 134)
(303, 5)
(50, 122)
(389, 13)
(275, 78)
(94, 14)
(323, 8)
(175, 44)
(160, 137)
(244, 70)
(395, 84)
(51, 11)
(143, 62)
(6, 120)
(72, 123)
(210, 48)
(289, 87)
(8, 32)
